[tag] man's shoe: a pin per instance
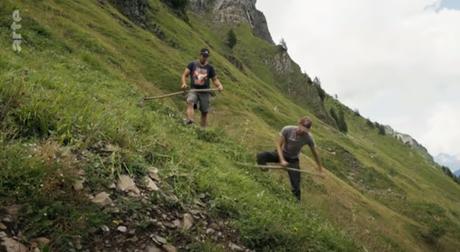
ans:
(188, 122)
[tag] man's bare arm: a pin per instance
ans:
(279, 149)
(317, 159)
(184, 78)
(217, 83)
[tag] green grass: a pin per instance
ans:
(76, 87)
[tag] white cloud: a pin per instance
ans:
(443, 129)
(398, 62)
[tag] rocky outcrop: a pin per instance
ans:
(136, 10)
(407, 139)
(296, 84)
(235, 12)
(282, 63)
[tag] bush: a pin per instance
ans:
(321, 93)
(231, 39)
(356, 111)
(334, 114)
(342, 123)
(178, 6)
(434, 234)
(381, 130)
(283, 46)
(370, 123)
(447, 171)
(340, 120)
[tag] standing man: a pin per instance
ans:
(200, 73)
(289, 145)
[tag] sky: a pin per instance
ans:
(397, 62)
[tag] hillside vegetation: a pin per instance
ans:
(69, 109)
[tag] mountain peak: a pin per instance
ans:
(235, 12)
(451, 161)
(457, 173)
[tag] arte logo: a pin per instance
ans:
(17, 38)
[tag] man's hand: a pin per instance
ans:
(318, 161)
(183, 78)
(284, 163)
(217, 83)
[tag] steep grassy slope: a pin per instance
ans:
(76, 85)
(78, 82)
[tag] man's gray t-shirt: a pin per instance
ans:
(294, 142)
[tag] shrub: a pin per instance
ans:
(433, 235)
(340, 120)
(342, 123)
(334, 114)
(356, 111)
(231, 39)
(178, 6)
(381, 130)
(283, 46)
(321, 93)
(447, 171)
(370, 123)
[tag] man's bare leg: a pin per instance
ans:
(190, 111)
(204, 119)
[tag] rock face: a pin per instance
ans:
(224, 11)
(282, 63)
(407, 139)
(235, 12)
(136, 10)
(296, 84)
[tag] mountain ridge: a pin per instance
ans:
(409, 140)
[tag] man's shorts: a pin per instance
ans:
(202, 99)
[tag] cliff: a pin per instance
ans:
(235, 12)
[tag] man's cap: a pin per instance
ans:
(205, 52)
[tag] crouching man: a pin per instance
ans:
(289, 145)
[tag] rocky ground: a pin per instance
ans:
(159, 221)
